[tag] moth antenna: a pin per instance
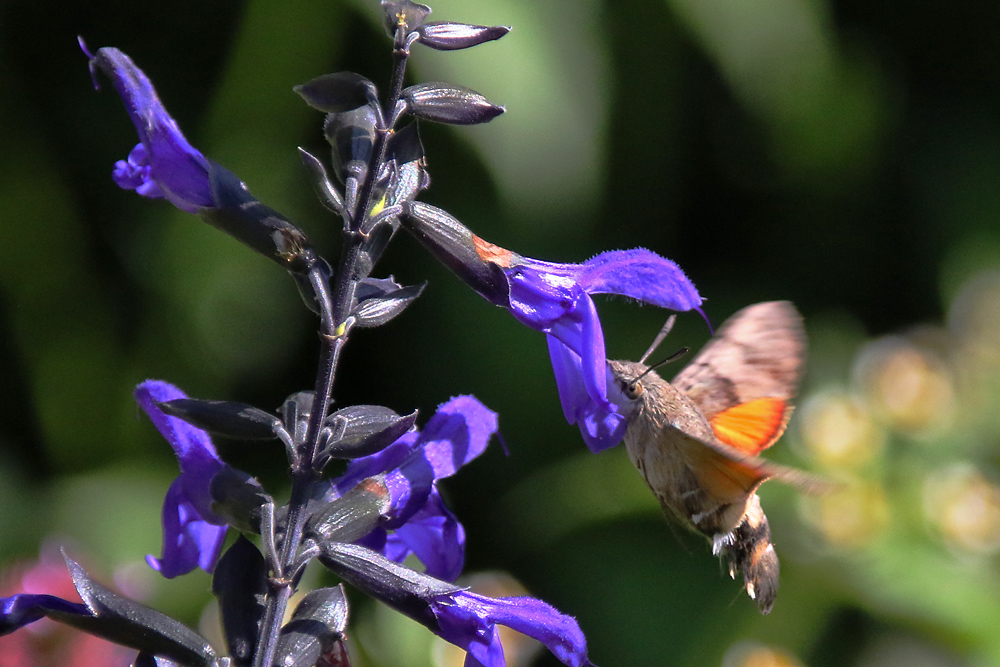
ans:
(659, 338)
(673, 357)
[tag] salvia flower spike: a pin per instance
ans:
(386, 508)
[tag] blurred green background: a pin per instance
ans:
(844, 155)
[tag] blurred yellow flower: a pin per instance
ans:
(907, 386)
(838, 431)
(850, 515)
(964, 506)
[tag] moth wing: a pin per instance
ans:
(745, 376)
(729, 475)
(724, 477)
(753, 426)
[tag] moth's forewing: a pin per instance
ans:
(757, 353)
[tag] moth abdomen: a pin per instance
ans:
(748, 550)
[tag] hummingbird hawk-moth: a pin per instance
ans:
(696, 440)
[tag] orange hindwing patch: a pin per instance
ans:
(753, 426)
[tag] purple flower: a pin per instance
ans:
(19, 610)
(556, 299)
(469, 621)
(192, 533)
(163, 165)
(466, 619)
(458, 432)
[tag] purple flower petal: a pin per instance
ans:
(601, 425)
(192, 533)
(469, 621)
(196, 455)
(167, 166)
(188, 540)
(388, 459)
(458, 432)
(434, 535)
(556, 299)
(639, 274)
(19, 610)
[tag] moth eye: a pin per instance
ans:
(633, 390)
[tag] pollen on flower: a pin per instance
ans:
(489, 252)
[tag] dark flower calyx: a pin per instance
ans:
(295, 414)
(239, 583)
(450, 103)
(239, 214)
(238, 498)
(477, 262)
(328, 195)
(449, 36)
(394, 584)
(317, 623)
(351, 135)
(338, 92)
(351, 516)
(129, 623)
(225, 418)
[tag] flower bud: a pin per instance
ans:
(450, 103)
(449, 36)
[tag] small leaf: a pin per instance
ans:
(338, 92)
(135, 625)
(448, 36)
(317, 623)
(328, 195)
(450, 103)
(377, 310)
(224, 418)
(364, 430)
(239, 583)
